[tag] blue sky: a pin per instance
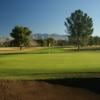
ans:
(45, 16)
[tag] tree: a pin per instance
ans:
(96, 40)
(21, 36)
(79, 26)
(50, 42)
(40, 42)
(61, 43)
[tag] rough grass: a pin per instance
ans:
(48, 63)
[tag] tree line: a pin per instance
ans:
(79, 28)
(93, 40)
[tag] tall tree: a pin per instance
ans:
(21, 36)
(79, 26)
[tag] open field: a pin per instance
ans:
(44, 63)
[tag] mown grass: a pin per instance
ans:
(48, 63)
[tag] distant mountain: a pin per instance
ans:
(45, 36)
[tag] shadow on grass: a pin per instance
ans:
(30, 53)
(92, 84)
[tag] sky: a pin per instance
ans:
(45, 16)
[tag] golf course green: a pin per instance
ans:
(48, 63)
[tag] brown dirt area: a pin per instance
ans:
(17, 49)
(36, 90)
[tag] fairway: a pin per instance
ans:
(48, 65)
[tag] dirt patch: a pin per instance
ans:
(34, 90)
(11, 50)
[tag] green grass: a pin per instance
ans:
(49, 50)
(48, 63)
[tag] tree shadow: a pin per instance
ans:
(92, 84)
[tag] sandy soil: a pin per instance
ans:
(34, 90)
(17, 49)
